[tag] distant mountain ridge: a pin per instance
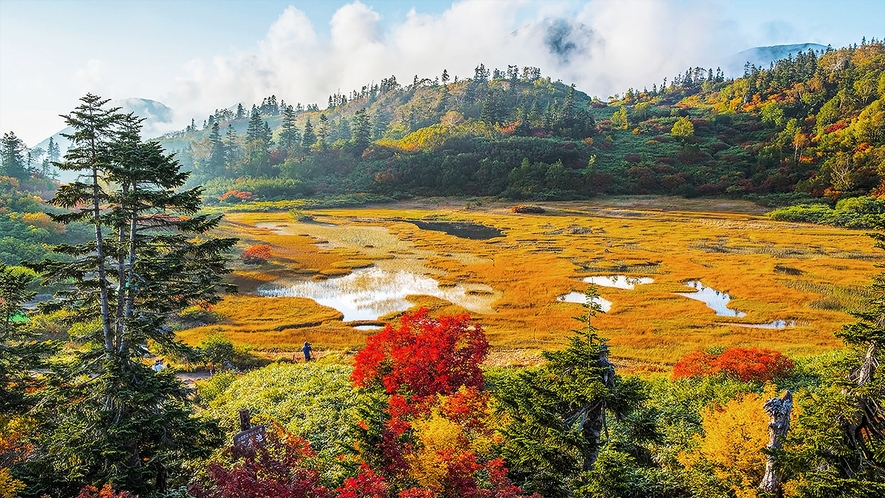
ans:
(158, 119)
(762, 57)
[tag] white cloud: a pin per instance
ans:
(601, 46)
(92, 77)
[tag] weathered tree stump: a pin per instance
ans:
(779, 410)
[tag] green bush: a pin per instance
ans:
(315, 401)
(854, 212)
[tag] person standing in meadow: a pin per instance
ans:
(306, 350)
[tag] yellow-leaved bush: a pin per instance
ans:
(730, 448)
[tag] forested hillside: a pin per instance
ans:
(809, 127)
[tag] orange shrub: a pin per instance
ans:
(235, 196)
(527, 209)
(744, 364)
(695, 364)
(107, 491)
(754, 364)
(257, 254)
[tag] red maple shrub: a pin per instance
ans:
(273, 469)
(527, 209)
(754, 364)
(424, 355)
(429, 370)
(256, 255)
(695, 364)
(744, 364)
(367, 484)
(236, 196)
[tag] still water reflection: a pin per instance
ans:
(369, 293)
(579, 297)
(715, 300)
(618, 281)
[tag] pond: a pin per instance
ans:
(618, 281)
(715, 300)
(578, 297)
(462, 229)
(369, 293)
(777, 324)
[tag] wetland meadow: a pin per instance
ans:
(673, 276)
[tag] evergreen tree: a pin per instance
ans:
(257, 144)
(489, 113)
(290, 137)
(557, 412)
(379, 126)
(308, 138)
(20, 355)
(255, 129)
(12, 157)
(241, 113)
(323, 131)
(231, 149)
(35, 155)
(52, 156)
(361, 131)
(107, 417)
(215, 166)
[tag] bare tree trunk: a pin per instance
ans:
(100, 264)
(779, 410)
(595, 423)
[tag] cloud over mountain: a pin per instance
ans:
(603, 48)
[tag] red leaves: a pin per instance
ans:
(754, 364)
(695, 364)
(275, 469)
(257, 254)
(235, 196)
(367, 484)
(107, 491)
(423, 356)
(744, 364)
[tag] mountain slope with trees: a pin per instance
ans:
(806, 127)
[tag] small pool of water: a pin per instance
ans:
(369, 293)
(618, 281)
(579, 297)
(777, 324)
(715, 300)
(368, 327)
(462, 229)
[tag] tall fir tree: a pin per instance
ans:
(290, 137)
(231, 150)
(557, 413)
(361, 131)
(216, 161)
(150, 258)
(12, 157)
(308, 137)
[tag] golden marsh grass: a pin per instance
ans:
(806, 274)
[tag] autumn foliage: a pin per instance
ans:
(425, 356)
(744, 364)
(107, 491)
(432, 438)
(235, 196)
(275, 469)
(256, 254)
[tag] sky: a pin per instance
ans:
(196, 56)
